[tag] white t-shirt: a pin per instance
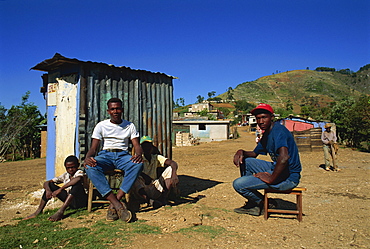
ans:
(115, 136)
(66, 177)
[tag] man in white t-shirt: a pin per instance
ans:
(115, 134)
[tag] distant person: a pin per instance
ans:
(329, 139)
(258, 138)
(115, 134)
(158, 177)
(259, 130)
(72, 193)
(282, 173)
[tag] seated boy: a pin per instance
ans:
(72, 193)
(158, 177)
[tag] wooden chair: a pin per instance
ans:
(295, 191)
(114, 178)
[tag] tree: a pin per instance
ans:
(345, 71)
(289, 105)
(200, 99)
(211, 94)
(203, 112)
(19, 133)
(225, 111)
(230, 94)
(352, 119)
(306, 110)
(325, 69)
(367, 66)
(216, 99)
(179, 102)
(182, 101)
(243, 106)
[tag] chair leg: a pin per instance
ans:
(266, 205)
(299, 206)
(90, 196)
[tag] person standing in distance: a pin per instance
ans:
(329, 140)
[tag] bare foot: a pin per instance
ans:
(31, 216)
(57, 216)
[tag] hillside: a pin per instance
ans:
(302, 87)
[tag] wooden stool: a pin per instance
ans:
(114, 179)
(295, 191)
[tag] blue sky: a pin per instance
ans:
(209, 45)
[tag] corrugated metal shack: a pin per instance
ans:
(76, 93)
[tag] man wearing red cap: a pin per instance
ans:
(281, 174)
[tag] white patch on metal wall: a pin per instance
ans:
(52, 94)
(65, 123)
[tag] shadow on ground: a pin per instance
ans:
(190, 184)
(284, 205)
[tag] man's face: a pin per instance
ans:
(264, 120)
(71, 168)
(147, 147)
(115, 112)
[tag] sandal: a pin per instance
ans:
(112, 215)
(124, 214)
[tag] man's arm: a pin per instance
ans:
(137, 158)
(72, 182)
(89, 159)
(174, 166)
(324, 139)
(281, 164)
(48, 191)
(241, 154)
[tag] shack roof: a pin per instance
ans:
(59, 60)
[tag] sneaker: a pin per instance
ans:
(124, 214)
(112, 215)
(255, 211)
(246, 208)
(155, 203)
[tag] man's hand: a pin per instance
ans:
(89, 161)
(238, 158)
(264, 176)
(56, 192)
(137, 158)
(174, 180)
(48, 194)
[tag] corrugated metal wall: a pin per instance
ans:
(147, 102)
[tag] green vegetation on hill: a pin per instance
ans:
(303, 87)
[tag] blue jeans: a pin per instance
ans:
(108, 161)
(247, 185)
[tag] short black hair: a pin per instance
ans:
(73, 159)
(114, 100)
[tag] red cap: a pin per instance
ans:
(261, 108)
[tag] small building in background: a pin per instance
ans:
(195, 109)
(203, 130)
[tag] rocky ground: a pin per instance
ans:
(335, 205)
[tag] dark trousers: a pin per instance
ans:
(77, 190)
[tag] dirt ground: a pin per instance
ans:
(335, 205)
